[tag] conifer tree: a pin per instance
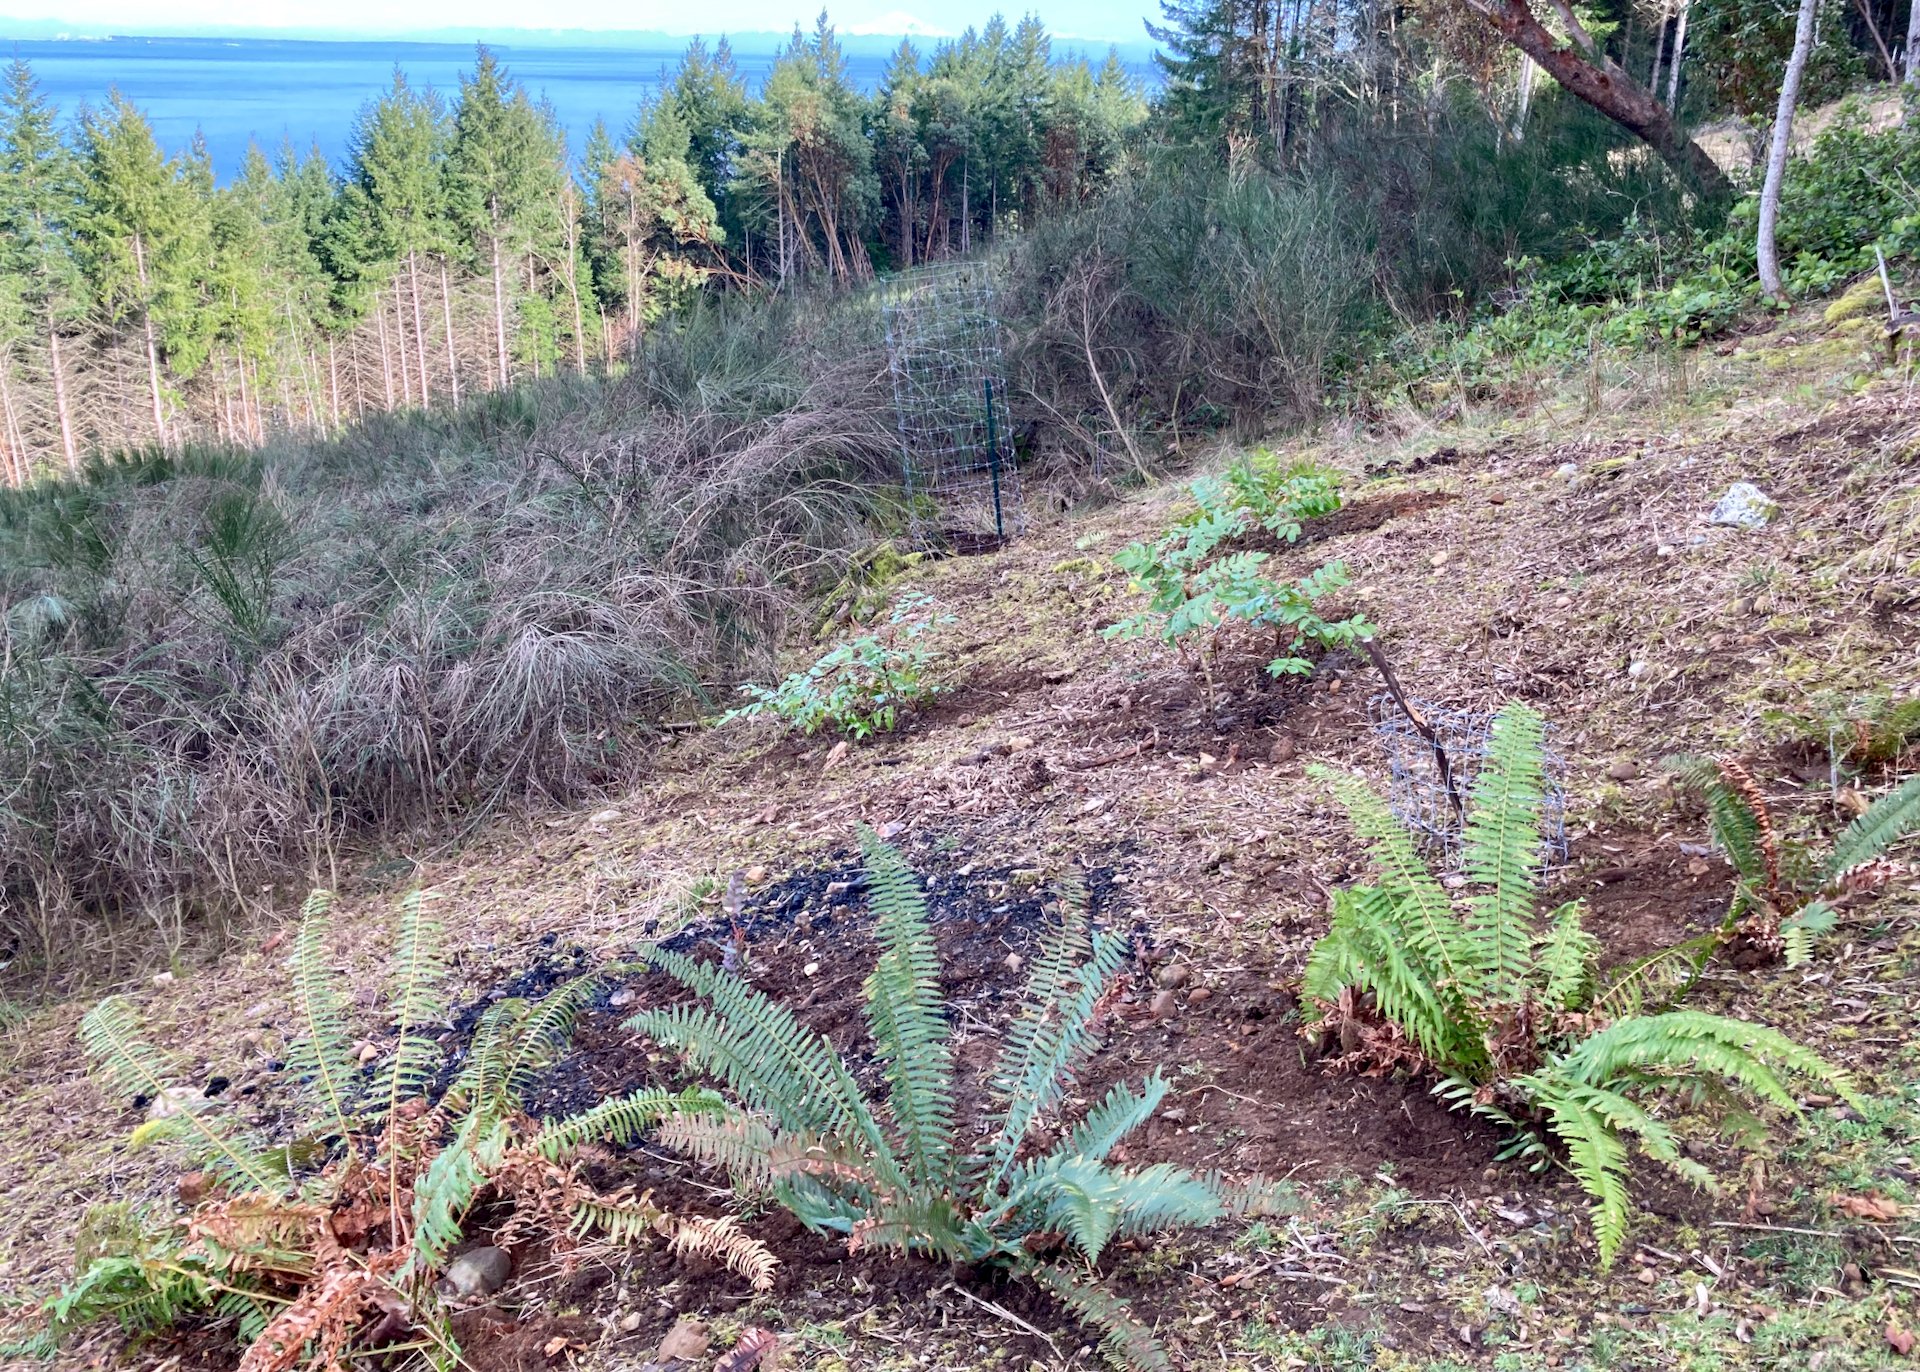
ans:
(143, 237)
(38, 202)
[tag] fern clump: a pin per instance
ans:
(1507, 1007)
(1786, 894)
(331, 1239)
(893, 1172)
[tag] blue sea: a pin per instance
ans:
(267, 90)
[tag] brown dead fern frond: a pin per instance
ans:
(1747, 787)
(315, 1330)
(721, 1240)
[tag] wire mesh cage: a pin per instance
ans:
(1417, 790)
(949, 394)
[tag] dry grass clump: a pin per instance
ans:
(214, 664)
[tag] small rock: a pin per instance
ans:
(368, 1052)
(1019, 745)
(1199, 995)
(193, 1187)
(1496, 497)
(622, 998)
(756, 874)
(1282, 749)
(1162, 1006)
(1173, 977)
(890, 831)
(1440, 559)
(1562, 602)
(477, 1272)
(163, 978)
(1638, 668)
(1015, 962)
(1664, 550)
(688, 1340)
(1744, 506)
(1567, 469)
(603, 816)
(1646, 1276)
(812, 969)
(630, 1321)
(1624, 770)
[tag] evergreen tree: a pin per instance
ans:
(39, 189)
(143, 236)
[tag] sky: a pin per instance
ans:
(1093, 20)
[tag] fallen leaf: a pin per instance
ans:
(756, 1349)
(688, 1339)
(1869, 1207)
(1900, 1340)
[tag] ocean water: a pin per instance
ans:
(267, 90)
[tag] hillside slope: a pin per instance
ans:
(1557, 553)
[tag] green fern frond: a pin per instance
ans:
(905, 1017)
(443, 1196)
(1070, 972)
(545, 1034)
(1656, 981)
(481, 1085)
(1563, 968)
(1428, 923)
(1114, 1118)
(1887, 821)
(1126, 1342)
(417, 1000)
(1503, 850)
(621, 1220)
(1808, 923)
(135, 1067)
(622, 1119)
(322, 1057)
(1687, 1043)
(1730, 819)
(763, 1053)
(1161, 1197)
(1370, 923)
(1595, 1155)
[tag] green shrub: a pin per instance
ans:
(340, 1227)
(1194, 591)
(903, 1173)
(1508, 1010)
(860, 687)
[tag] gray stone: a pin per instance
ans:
(1744, 506)
(477, 1272)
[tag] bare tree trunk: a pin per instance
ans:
(386, 362)
(153, 352)
(1913, 45)
(1592, 76)
(1767, 253)
(446, 319)
(573, 281)
(400, 346)
(419, 326)
(1879, 43)
(69, 448)
(1659, 49)
(16, 453)
(499, 317)
(1679, 56)
(333, 383)
(1527, 70)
